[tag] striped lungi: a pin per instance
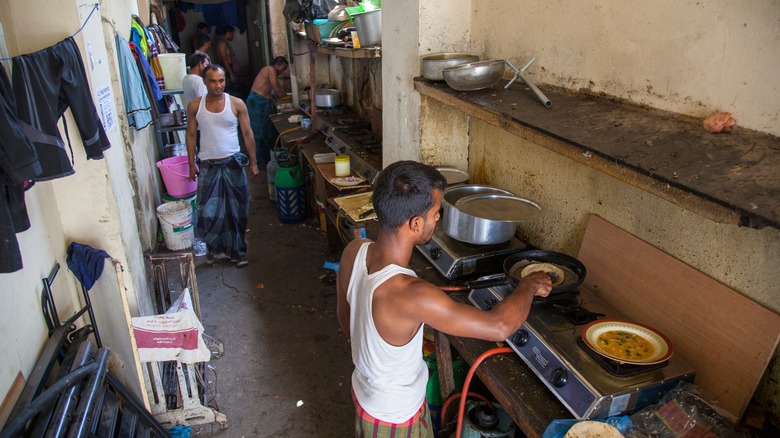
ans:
(419, 426)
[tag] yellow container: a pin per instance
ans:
(342, 165)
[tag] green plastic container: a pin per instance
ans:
(290, 196)
(433, 390)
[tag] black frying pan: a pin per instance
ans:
(574, 271)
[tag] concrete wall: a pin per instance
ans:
(689, 58)
(93, 206)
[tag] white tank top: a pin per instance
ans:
(218, 131)
(389, 381)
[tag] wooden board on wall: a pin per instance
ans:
(728, 338)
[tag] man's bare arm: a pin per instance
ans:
(191, 135)
(246, 131)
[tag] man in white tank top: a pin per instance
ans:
(223, 193)
(382, 305)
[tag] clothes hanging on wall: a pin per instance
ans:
(46, 83)
(18, 163)
(137, 103)
(163, 39)
(146, 69)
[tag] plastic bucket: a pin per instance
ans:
(174, 68)
(176, 223)
(175, 173)
(290, 197)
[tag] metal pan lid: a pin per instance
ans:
(453, 176)
(499, 207)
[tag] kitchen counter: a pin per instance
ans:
(729, 177)
(513, 384)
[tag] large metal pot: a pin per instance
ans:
(327, 98)
(474, 75)
(471, 229)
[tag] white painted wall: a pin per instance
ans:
(692, 58)
(94, 206)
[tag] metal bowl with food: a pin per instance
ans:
(474, 75)
(432, 65)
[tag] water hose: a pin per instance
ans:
(465, 391)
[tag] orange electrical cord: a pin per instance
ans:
(465, 391)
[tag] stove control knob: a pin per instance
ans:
(520, 338)
(559, 378)
(435, 253)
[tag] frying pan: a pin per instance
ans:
(574, 271)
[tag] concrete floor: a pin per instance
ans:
(277, 321)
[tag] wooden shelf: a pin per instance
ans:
(729, 178)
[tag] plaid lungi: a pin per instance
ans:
(223, 205)
(419, 426)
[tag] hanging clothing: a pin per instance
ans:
(86, 263)
(145, 69)
(18, 163)
(137, 106)
(163, 39)
(45, 84)
(138, 35)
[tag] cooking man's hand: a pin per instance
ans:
(539, 282)
(193, 171)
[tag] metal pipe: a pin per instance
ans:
(519, 74)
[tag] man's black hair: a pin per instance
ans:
(279, 60)
(404, 190)
(195, 59)
(212, 67)
(225, 29)
(203, 25)
(203, 39)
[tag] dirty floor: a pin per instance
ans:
(286, 366)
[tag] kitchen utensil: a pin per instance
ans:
(369, 27)
(366, 213)
(662, 346)
(453, 176)
(327, 98)
(432, 65)
(472, 229)
(474, 75)
(573, 270)
(498, 207)
(520, 74)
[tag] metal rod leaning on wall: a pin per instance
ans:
(519, 74)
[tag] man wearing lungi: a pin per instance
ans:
(223, 194)
(260, 107)
(382, 306)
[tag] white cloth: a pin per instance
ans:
(389, 381)
(193, 87)
(218, 131)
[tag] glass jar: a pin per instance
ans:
(342, 165)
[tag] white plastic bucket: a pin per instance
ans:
(174, 68)
(176, 223)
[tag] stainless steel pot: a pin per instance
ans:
(327, 98)
(471, 229)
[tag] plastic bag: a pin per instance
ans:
(682, 412)
(558, 428)
(303, 10)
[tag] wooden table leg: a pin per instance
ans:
(444, 365)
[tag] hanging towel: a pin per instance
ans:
(86, 263)
(137, 104)
(146, 69)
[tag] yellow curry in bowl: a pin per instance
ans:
(625, 345)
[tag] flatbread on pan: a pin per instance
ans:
(593, 429)
(545, 267)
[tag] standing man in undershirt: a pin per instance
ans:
(261, 106)
(223, 194)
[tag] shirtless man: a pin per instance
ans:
(261, 106)
(226, 56)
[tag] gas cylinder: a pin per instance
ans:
(271, 172)
(479, 421)
(290, 196)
